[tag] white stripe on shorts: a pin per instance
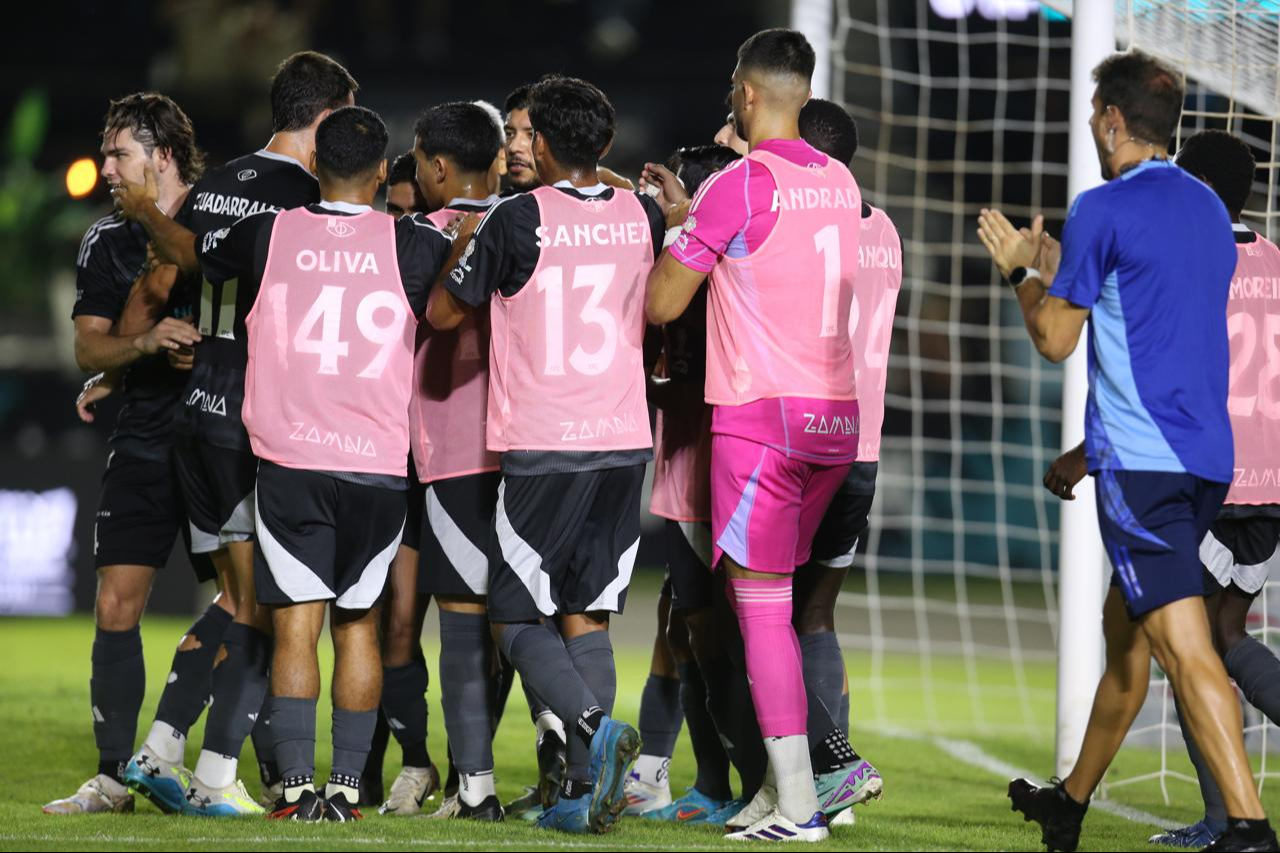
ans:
(1221, 563)
(468, 561)
(610, 595)
(523, 560)
(364, 593)
(290, 574)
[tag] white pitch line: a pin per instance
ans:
(975, 756)
(365, 841)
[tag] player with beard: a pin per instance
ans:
(216, 465)
(140, 510)
(521, 174)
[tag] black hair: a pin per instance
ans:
(828, 127)
(156, 121)
(350, 143)
(778, 51)
(463, 132)
(1147, 93)
(1225, 162)
(403, 168)
(518, 99)
(305, 85)
(574, 117)
(695, 163)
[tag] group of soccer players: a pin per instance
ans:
(349, 413)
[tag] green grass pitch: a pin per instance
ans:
(932, 800)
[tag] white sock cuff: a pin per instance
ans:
(549, 722)
(166, 742)
(473, 788)
(214, 770)
(652, 770)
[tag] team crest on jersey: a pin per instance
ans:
(246, 174)
(339, 228)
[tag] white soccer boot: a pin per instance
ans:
(413, 787)
(99, 794)
(776, 827)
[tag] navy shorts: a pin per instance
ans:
(1152, 523)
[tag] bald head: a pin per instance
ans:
(772, 80)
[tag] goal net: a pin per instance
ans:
(963, 104)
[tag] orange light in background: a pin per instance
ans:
(82, 177)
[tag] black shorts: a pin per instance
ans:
(455, 538)
(845, 521)
(217, 485)
(688, 551)
(413, 519)
(321, 538)
(1240, 552)
(564, 543)
(140, 516)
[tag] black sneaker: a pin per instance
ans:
(1059, 816)
(309, 807)
(1235, 840)
(337, 808)
(551, 762)
(489, 809)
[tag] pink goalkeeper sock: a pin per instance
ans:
(773, 654)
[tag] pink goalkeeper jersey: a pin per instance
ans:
(451, 394)
(778, 319)
(330, 347)
(566, 366)
(875, 299)
(1253, 395)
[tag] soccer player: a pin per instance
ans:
(1147, 259)
(682, 496)
(215, 462)
(1241, 544)
(562, 269)
(845, 778)
(333, 290)
(403, 196)
(779, 232)
(140, 509)
(455, 147)
(521, 174)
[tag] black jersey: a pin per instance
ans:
(262, 181)
(112, 255)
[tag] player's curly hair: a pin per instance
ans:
(1223, 161)
(156, 121)
(574, 117)
(828, 127)
(350, 143)
(1147, 93)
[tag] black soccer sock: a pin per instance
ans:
(1255, 668)
(592, 655)
(708, 751)
(264, 745)
(352, 737)
(404, 701)
(190, 680)
(293, 722)
(373, 765)
(661, 715)
(1249, 830)
(502, 682)
(465, 689)
(823, 683)
(545, 665)
(116, 688)
(239, 687)
(844, 713)
(730, 706)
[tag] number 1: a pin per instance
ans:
(827, 242)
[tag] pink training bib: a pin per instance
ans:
(778, 318)
(1253, 396)
(330, 347)
(566, 371)
(451, 394)
(875, 300)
